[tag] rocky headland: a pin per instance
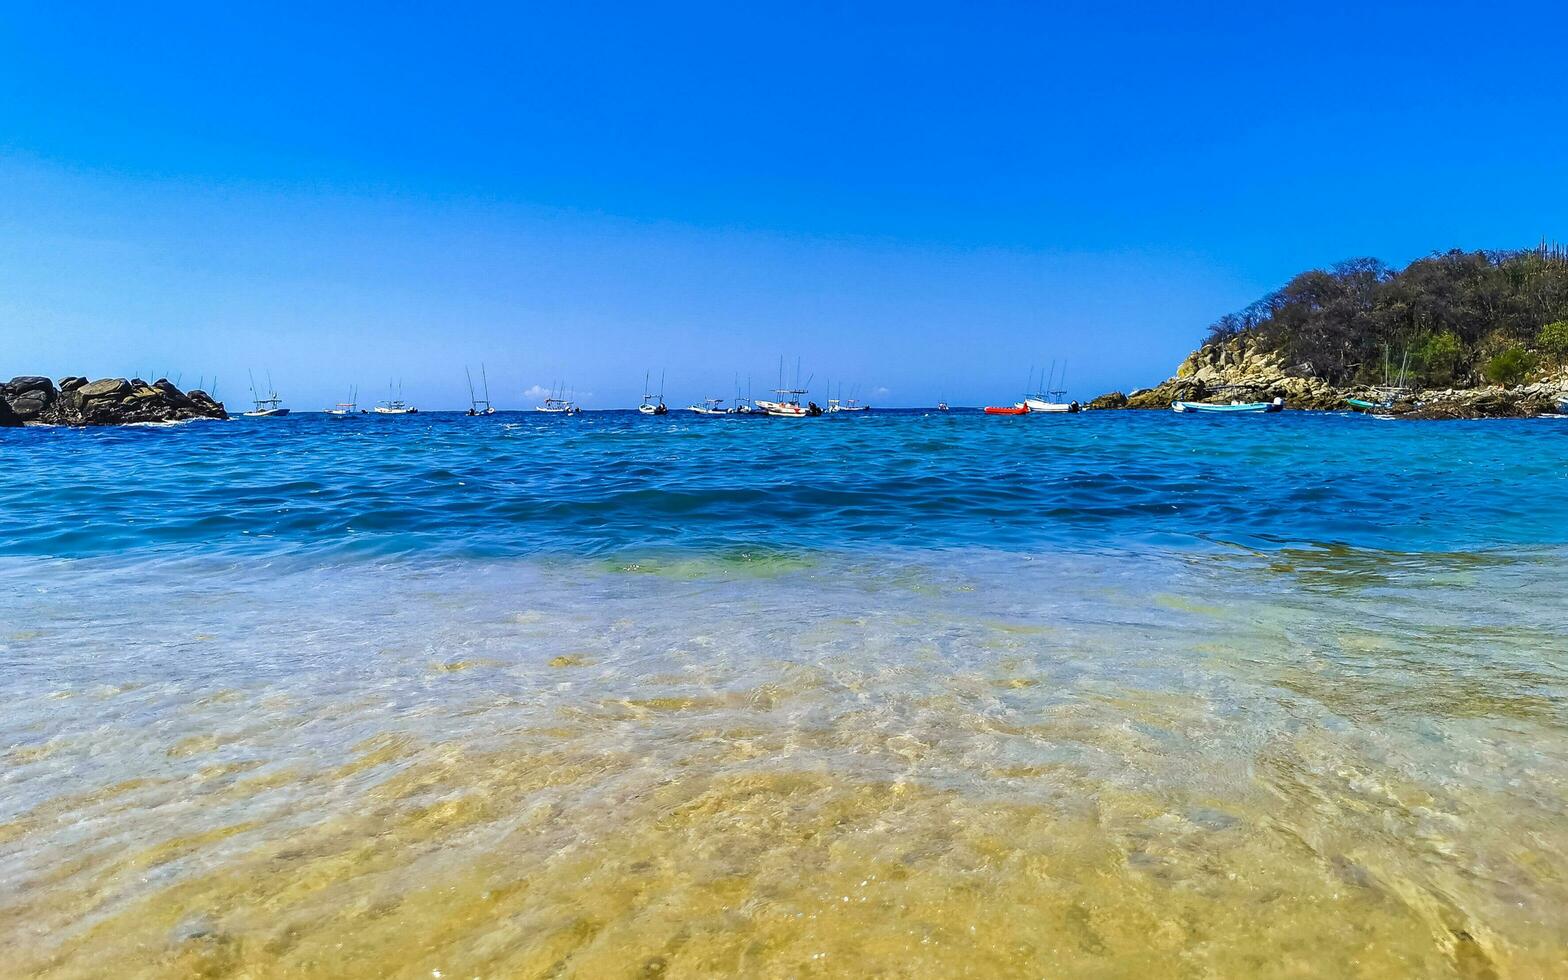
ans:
(33, 400)
(1243, 369)
(1452, 335)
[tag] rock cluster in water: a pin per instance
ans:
(32, 400)
(1241, 370)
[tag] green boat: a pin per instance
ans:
(1362, 404)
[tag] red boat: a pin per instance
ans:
(1019, 409)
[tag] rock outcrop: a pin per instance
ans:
(33, 400)
(1240, 369)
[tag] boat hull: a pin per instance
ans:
(1040, 405)
(1007, 410)
(1234, 408)
(268, 413)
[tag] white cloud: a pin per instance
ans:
(537, 391)
(881, 392)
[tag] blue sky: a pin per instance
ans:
(914, 199)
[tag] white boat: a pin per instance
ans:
(479, 406)
(941, 406)
(558, 406)
(558, 403)
(1048, 399)
(394, 405)
(1233, 408)
(842, 404)
(649, 406)
(709, 406)
(788, 405)
(346, 408)
(270, 407)
(1037, 404)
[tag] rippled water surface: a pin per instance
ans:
(1114, 695)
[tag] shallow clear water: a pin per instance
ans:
(1120, 694)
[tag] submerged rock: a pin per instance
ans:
(109, 401)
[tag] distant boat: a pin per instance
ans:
(942, 407)
(394, 405)
(648, 406)
(1018, 409)
(1392, 389)
(742, 406)
(788, 405)
(1048, 399)
(710, 406)
(349, 407)
(558, 404)
(842, 404)
(270, 407)
(1233, 408)
(478, 406)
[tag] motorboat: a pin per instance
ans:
(479, 406)
(269, 407)
(649, 405)
(1231, 408)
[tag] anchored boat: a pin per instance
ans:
(349, 407)
(1019, 409)
(1233, 408)
(1049, 399)
(270, 407)
(478, 406)
(788, 405)
(394, 405)
(709, 406)
(648, 406)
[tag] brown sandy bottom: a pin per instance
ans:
(703, 773)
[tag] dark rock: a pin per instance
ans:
(107, 388)
(30, 397)
(110, 401)
(1113, 400)
(28, 383)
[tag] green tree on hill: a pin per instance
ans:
(1553, 342)
(1443, 310)
(1511, 366)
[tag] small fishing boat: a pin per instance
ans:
(270, 407)
(1048, 399)
(1018, 409)
(842, 404)
(788, 405)
(1392, 389)
(394, 405)
(941, 406)
(649, 406)
(709, 406)
(478, 406)
(1232, 408)
(558, 406)
(349, 407)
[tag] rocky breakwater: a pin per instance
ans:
(32, 400)
(1240, 369)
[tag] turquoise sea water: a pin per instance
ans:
(619, 483)
(926, 695)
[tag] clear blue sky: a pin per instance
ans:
(912, 198)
